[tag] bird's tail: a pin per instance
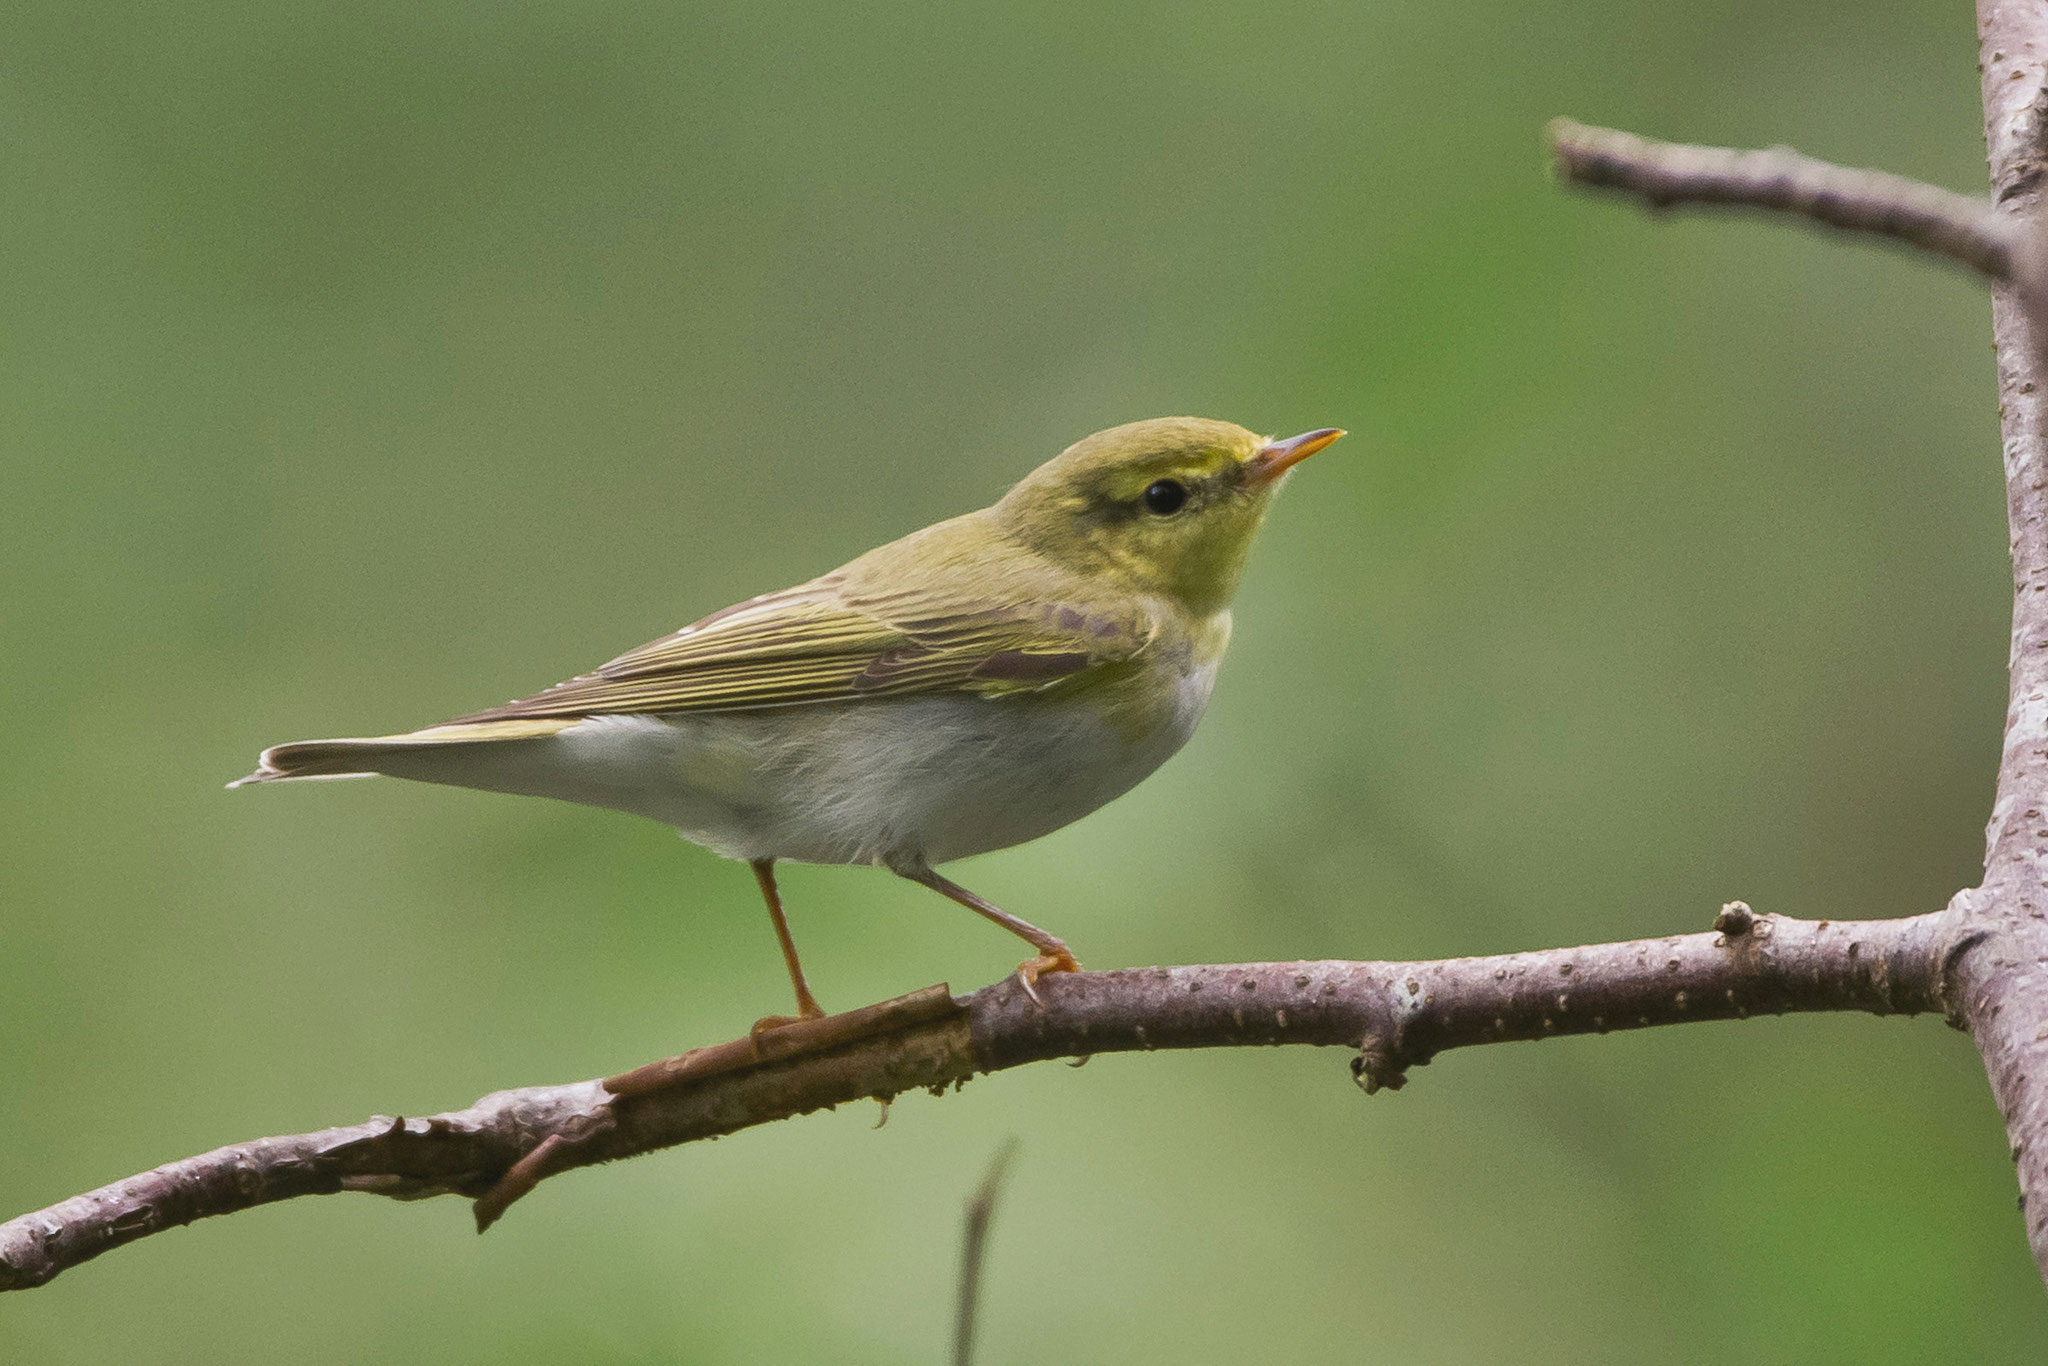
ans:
(399, 755)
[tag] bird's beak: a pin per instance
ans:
(1275, 458)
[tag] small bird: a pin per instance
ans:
(969, 687)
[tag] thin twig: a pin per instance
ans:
(1395, 1015)
(981, 1208)
(1781, 180)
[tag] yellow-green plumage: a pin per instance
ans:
(974, 684)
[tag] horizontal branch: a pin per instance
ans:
(1781, 180)
(1396, 1015)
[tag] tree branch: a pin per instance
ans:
(2004, 981)
(1999, 955)
(1396, 1015)
(1781, 180)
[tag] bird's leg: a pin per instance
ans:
(1053, 953)
(807, 1007)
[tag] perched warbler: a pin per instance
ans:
(974, 685)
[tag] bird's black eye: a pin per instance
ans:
(1164, 497)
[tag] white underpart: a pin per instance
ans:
(889, 781)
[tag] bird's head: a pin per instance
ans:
(1167, 506)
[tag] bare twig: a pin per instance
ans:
(1396, 1015)
(981, 1208)
(1781, 180)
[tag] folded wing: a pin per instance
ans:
(825, 642)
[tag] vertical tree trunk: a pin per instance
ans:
(2002, 976)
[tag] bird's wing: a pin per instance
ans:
(822, 642)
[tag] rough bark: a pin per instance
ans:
(1393, 1015)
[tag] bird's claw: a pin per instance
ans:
(1031, 969)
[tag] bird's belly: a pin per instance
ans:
(889, 781)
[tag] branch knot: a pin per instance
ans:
(1734, 922)
(1379, 1064)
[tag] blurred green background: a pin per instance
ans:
(368, 363)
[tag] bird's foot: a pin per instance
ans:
(1059, 959)
(808, 1010)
